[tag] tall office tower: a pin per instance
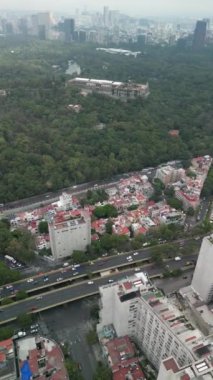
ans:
(23, 26)
(68, 28)
(106, 16)
(137, 309)
(199, 37)
(202, 282)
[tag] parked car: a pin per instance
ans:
(90, 282)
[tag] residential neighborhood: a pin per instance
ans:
(131, 198)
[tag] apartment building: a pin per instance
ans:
(190, 197)
(7, 360)
(69, 231)
(202, 282)
(201, 369)
(168, 175)
(137, 309)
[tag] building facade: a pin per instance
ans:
(199, 37)
(137, 309)
(68, 233)
(117, 90)
(202, 282)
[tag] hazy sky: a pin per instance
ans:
(197, 8)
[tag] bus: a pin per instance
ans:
(10, 258)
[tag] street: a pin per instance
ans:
(71, 324)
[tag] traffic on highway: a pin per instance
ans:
(72, 272)
(79, 290)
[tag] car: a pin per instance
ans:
(34, 331)
(135, 253)
(9, 287)
(65, 265)
(129, 257)
(137, 269)
(21, 333)
(75, 273)
(177, 258)
(45, 279)
(39, 298)
(90, 282)
(76, 266)
(110, 280)
(105, 254)
(33, 308)
(35, 326)
(30, 280)
(59, 279)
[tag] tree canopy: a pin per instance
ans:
(63, 148)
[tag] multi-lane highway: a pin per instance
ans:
(61, 275)
(76, 291)
(44, 199)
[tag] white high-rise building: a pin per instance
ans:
(137, 309)
(69, 231)
(202, 282)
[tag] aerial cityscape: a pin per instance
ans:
(106, 190)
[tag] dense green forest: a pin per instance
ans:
(44, 146)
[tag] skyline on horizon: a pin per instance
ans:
(138, 8)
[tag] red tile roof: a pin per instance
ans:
(119, 350)
(170, 364)
(54, 360)
(133, 369)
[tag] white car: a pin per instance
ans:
(110, 280)
(59, 279)
(9, 287)
(75, 273)
(129, 257)
(30, 280)
(177, 258)
(65, 265)
(90, 282)
(34, 331)
(135, 253)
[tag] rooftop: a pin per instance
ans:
(139, 285)
(7, 362)
(130, 371)
(44, 357)
(119, 350)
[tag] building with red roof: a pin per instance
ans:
(43, 356)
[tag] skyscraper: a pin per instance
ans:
(202, 282)
(199, 37)
(68, 28)
(106, 16)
